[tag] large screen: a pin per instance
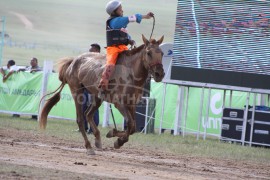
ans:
(223, 42)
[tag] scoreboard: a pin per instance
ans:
(222, 42)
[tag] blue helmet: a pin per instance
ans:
(112, 6)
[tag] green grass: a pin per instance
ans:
(166, 143)
(67, 28)
(210, 148)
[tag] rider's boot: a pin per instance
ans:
(104, 81)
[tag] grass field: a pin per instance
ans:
(189, 146)
(51, 29)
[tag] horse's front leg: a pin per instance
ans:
(115, 133)
(129, 114)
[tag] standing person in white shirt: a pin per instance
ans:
(11, 67)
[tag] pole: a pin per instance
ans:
(146, 115)
(163, 106)
(185, 115)
(230, 102)
(47, 69)
(178, 117)
(223, 106)
(243, 137)
(200, 114)
(252, 119)
(113, 117)
(207, 114)
(106, 115)
(3, 21)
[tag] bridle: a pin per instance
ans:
(150, 67)
(155, 64)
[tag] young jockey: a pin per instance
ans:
(117, 37)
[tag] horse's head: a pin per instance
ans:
(153, 58)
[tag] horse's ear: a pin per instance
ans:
(146, 42)
(160, 40)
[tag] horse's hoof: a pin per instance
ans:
(110, 134)
(98, 144)
(116, 145)
(90, 152)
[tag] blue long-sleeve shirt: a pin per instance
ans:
(122, 22)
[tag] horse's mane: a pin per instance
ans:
(133, 51)
(138, 49)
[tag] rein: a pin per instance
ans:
(154, 22)
(156, 63)
(152, 27)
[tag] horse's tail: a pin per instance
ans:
(63, 65)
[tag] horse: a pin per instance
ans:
(124, 89)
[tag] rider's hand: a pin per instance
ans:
(131, 42)
(5, 78)
(148, 15)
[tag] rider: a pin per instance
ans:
(117, 37)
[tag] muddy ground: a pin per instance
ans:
(31, 155)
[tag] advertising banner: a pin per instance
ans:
(21, 93)
(65, 108)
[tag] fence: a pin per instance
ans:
(178, 108)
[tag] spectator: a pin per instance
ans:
(95, 48)
(87, 101)
(11, 68)
(34, 66)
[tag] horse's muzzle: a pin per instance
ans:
(158, 74)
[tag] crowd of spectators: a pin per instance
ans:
(13, 68)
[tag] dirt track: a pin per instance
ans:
(27, 155)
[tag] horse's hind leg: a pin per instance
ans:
(78, 99)
(90, 118)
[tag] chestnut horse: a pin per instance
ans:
(124, 90)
